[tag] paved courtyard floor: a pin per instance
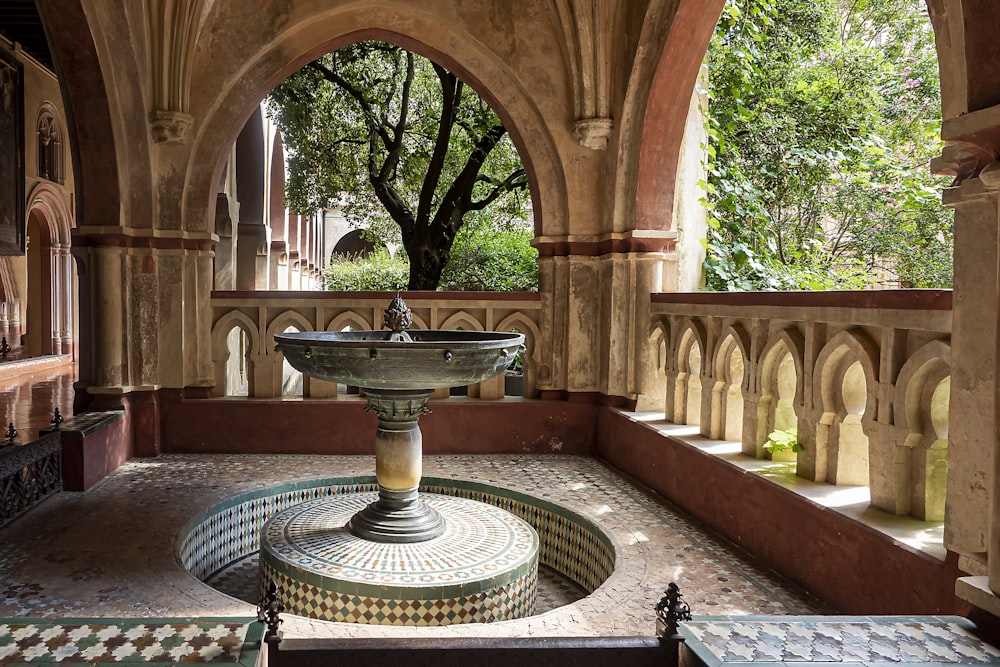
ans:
(112, 552)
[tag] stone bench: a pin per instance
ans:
(93, 445)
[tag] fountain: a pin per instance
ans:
(428, 560)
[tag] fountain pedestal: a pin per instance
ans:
(398, 561)
(399, 515)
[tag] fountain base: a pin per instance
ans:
(397, 516)
(482, 568)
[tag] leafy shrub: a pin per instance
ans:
(492, 259)
(378, 272)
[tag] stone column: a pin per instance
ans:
(108, 317)
(972, 414)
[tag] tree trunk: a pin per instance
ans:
(426, 265)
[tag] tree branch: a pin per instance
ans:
(449, 100)
(337, 80)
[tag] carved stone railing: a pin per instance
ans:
(864, 377)
(257, 316)
(28, 474)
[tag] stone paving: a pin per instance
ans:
(112, 551)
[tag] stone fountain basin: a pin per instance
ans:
(430, 360)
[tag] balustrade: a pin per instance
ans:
(862, 377)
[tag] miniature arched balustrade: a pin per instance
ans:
(687, 378)
(844, 400)
(655, 384)
(731, 383)
(780, 393)
(272, 368)
(530, 356)
(923, 391)
(235, 348)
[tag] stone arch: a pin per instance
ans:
(778, 404)
(690, 356)
(845, 384)
(286, 380)
(732, 378)
(658, 130)
(349, 319)
(920, 409)
(355, 244)
(304, 36)
(222, 341)
(462, 320)
(285, 319)
(48, 311)
(53, 203)
(532, 339)
(655, 393)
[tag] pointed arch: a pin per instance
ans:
(283, 320)
(349, 319)
(462, 320)
(305, 35)
(845, 367)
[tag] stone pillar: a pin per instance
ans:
(251, 241)
(107, 292)
(56, 296)
(225, 248)
(972, 414)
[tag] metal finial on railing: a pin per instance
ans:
(268, 612)
(670, 611)
(56, 419)
(4, 347)
(11, 434)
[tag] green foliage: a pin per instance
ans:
(377, 272)
(783, 440)
(823, 117)
(405, 147)
(492, 258)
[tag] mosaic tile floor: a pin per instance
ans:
(148, 642)
(113, 550)
(848, 640)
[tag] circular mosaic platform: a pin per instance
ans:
(483, 568)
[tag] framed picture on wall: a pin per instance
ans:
(11, 155)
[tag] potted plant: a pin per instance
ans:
(783, 444)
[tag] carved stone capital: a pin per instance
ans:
(593, 133)
(169, 127)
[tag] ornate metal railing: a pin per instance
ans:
(29, 473)
(244, 324)
(859, 381)
(661, 650)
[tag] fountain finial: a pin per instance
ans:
(397, 317)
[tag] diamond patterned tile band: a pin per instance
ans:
(165, 641)
(483, 568)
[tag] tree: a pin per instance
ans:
(399, 141)
(823, 117)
